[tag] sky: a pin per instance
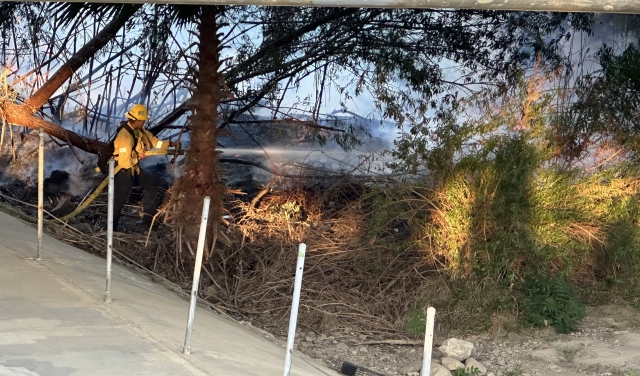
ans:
(361, 105)
(609, 29)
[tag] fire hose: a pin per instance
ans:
(92, 197)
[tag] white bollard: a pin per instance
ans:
(107, 295)
(196, 275)
(428, 342)
(40, 192)
(293, 319)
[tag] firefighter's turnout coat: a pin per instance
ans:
(128, 156)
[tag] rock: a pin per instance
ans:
(435, 353)
(414, 366)
(82, 227)
(342, 347)
(472, 363)
(452, 364)
(439, 370)
(513, 337)
(329, 323)
(457, 349)
(548, 355)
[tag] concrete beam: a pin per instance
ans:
(596, 6)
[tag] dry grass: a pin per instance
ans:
(357, 276)
(349, 281)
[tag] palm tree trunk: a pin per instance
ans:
(201, 177)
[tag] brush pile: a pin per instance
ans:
(349, 280)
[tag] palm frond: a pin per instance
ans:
(8, 10)
(67, 12)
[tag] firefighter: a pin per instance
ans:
(129, 147)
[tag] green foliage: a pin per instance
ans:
(472, 371)
(606, 105)
(514, 372)
(464, 304)
(387, 209)
(417, 322)
(551, 302)
(501, 206)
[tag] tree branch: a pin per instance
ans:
(22, 115)
(41, 96)
(290, 37)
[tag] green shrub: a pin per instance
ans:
(515, 372)
(551, 302)
(465, 305)
(473, 371)
(417, 323)
(500, 202)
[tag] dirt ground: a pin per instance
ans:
(608, 343)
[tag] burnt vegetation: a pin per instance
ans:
(515, 160)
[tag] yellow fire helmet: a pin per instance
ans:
(138, 112)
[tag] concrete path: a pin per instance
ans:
(53, 321)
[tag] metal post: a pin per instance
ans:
(293, 319)
(196, 275)
(107, 295)
(428, 342)
(40, 192)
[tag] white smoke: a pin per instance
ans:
(25, 166)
